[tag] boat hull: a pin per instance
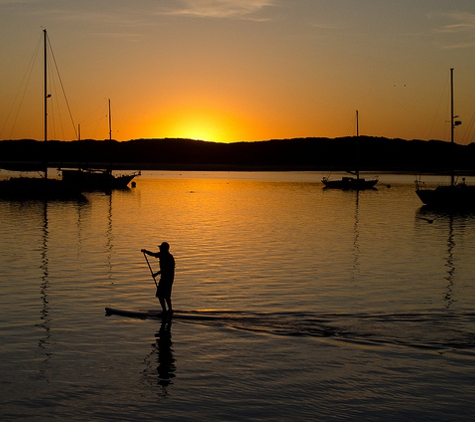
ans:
(91, 180)
(350, 183)
(31, 188)
(457, 196)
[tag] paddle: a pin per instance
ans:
(151, 271)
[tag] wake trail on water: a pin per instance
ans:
(434, 331)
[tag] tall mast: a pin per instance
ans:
(452, 126)
(110, 139)
(45, 103)
(357, 171)
(110, 121)
(357, 125)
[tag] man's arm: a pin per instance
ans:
(155, 254)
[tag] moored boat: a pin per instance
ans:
(40, 188)
(88, 179)
(91, 179)
(455, 195)
(349, 182)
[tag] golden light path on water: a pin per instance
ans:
(291, 302)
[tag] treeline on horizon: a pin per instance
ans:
(365, 153)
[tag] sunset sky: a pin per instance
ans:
(240, 70)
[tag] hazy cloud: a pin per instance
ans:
(462, 25)
(14, 1)
(223, 8)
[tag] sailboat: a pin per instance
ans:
(348, 182)
(88, 179)
(44, 188)
(456, 195)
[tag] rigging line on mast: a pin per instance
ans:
(21, 91)
(62, 87)
(468, 133)
(115, 122)
(442, 100)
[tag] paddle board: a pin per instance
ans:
(134, 314)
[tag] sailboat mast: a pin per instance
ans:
(110, 121)
(452, 125)
(357, 171)
(357, 125)
(110, 139)
(45, 103)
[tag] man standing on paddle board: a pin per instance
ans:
(167, 275)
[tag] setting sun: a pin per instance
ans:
(200, 124)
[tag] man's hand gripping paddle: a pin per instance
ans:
(151, 271)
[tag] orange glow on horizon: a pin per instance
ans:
(222, 72)
(197, 123)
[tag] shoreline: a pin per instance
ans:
(28, 166)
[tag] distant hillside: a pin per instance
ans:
(369, 153)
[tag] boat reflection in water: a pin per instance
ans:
(45, 324)
(453, 225)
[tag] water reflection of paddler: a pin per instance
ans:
(166, 362)
(167, 275)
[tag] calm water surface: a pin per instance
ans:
(293, 302)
